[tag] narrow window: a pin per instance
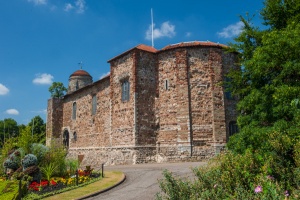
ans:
(166, 84)
(125, 91)
(233, 128)
(74, 111)
(66, 139)
(94, 104)
(76, 86)
(75, 136)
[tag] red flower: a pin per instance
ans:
(53, 182)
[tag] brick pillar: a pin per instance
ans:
(54, 121)
(183, 99)
(219, 125)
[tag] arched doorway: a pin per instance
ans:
(66, 139)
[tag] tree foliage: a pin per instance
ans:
(8, 128)
(57, 89)
(265, 153)
(38, 127)
(268, 87)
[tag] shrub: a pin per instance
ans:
(48, 171)
(13, 161)
(56, 155)
(39, 150)
(72, 165)
(230, 176)
(29, 160)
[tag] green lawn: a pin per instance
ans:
(111, 178)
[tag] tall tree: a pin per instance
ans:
(268, 87)
(38, 128)
(57, 89)
(8, 128)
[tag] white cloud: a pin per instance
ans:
(12, 111)
(166, 30)
(104, 75)
(79, 6)
(231, 30)
(3, 90)
(38, 2)
(43, 79)
(188, 34)
(68, 7)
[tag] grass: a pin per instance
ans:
(110, 178)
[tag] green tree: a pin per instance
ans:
(266, 151)
(26, 139)
(268, 87)
(57, 89)
(8, 129)
(38, 127)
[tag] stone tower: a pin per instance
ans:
(79, 79)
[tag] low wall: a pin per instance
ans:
(95, 156)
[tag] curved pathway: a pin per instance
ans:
(142, 180)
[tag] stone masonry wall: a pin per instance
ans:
(123, 113)
(167, 101)
(77, 82)
(54, 120)
(146, 74)
(201, 98)
(91, 130)
(177, 110)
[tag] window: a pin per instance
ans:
(66, 139)
(75, 136)
(76, 86)
(233, 128)
(166, 84)
(74, 110)
(125, 90)
(94, 104)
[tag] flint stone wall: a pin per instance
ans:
(177, 110)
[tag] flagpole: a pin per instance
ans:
(152, 27)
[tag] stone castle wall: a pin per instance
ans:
(145, 94)
(54, 120)
(91, 130)
(177, 110)
(123, 113)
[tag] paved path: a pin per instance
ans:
(142, 180)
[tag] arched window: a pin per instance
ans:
(66, 139)
(233, 128)
(94, 104)
(125, 90)
(74, 111)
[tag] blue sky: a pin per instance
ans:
(42, 41)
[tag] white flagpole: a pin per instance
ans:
(152, 27)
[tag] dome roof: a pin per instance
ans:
(80, 72)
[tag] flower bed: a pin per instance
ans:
(60, 184)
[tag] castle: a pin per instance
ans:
(155, 106)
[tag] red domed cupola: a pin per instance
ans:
(79, 79)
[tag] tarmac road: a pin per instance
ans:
(142, 180)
